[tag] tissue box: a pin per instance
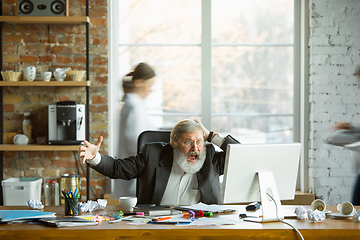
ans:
(17, 191)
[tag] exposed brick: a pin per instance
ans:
(80, 60)
(9, 48)
(29, 45)
(46, 58)
(98, 126)
(11, 58)
(29, 59)
(64, 59)
(99, 21)
(12, 38)
(29, 29)
(98, 108)
(80, 40)
(100, 61)
(12, 98)
(62, 49)
(31, 38)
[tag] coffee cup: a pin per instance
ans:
(128, 203)
(59, 76)
(46, 76)
(29, 73)
(318, 204)
(20, 139)
(346, 208)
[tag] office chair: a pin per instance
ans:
(152, 136)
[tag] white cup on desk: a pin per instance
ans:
(346, 208)
(128, 203)
(319, 205)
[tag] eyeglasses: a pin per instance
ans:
(190, 144)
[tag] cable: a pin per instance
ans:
(277, 216)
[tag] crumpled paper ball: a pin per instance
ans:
(35, 204)
(357, 216)
(315, 216)
(301, 213)
(90, 205)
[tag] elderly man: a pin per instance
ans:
(184, 172)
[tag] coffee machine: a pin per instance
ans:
(66, 123)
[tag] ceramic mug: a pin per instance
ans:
(318, 204)
(29, 73)
(46, 76)
(128, 203)
(20, 139)
(346, 208)
(60, 73)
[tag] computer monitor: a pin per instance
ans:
(253, 171)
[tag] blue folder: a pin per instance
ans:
(13, 215)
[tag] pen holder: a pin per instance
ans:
(71, 206)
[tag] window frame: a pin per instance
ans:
(300, 102)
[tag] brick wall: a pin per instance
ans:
(47, 47)
(334, 94)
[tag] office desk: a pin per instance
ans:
(328, 229)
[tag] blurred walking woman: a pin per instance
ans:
(137, 85)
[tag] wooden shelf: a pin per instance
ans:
(44, 20)
(34, 147)
(45, 84)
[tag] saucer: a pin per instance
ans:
(341, 216)
(327, 212)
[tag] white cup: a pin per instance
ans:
(318, 204)
(59, 75)
(128, 203)
(346, 208)
(20, 139)
(46, 76)
(29, 73)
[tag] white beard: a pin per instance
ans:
(189, 167)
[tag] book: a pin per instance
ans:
(13, 215)
(67, 221)
(155, 211)
(213, 208)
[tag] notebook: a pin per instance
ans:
(155, 211)
(213, 208)
(67, 221)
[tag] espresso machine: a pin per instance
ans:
(66, 123)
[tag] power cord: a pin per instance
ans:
(277, 216)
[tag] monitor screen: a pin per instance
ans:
(243, 162)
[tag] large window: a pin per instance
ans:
(228, 63)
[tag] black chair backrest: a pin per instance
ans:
(152, 136)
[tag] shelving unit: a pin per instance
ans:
(33, 147)
(43, 20)
(44, 84)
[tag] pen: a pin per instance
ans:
(133, 213)
(114, 221)
(162, 219)
(168, 222)
(75, 192)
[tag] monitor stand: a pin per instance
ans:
(268, 187)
